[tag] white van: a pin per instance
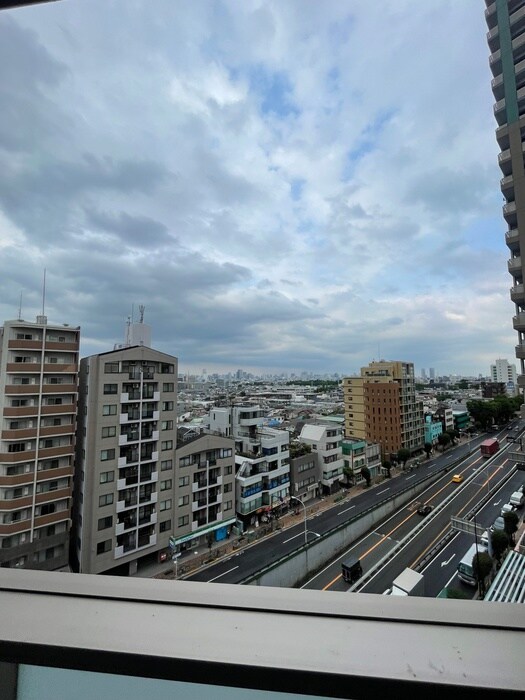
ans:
(517, 499)
(507, 508)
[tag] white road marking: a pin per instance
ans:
(410, 477)
(383, 491)
(447, 562)
(224, 574)
(293, 538)
(346, 510)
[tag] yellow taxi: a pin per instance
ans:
(457, 478)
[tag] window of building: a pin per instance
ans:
(111, 367)
(186, 461)
(105, 455)
(47, 508)
(54, 401)
(167, 405)
(228, 488)
(184, 481)
(103, 547)
(166, 445)
(166, 465)
(109, 431)
(110, 388)
(166, 425)
(228, 505)
(228, 470)
(165, 526)
(183, 520)
(184, 500)
(107, 477)
(165, 505)
(168, 386)
(24, 336)
(167, 368)
(226, 452)
(109, 410)
(104, 523)
(165, 485)
(17, 447)
(105, 500)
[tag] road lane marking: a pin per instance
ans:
(346, 510)
(224, 574)
(293, 538)
(383, 491)
(451, 579)
(447, 562)
(410, 477)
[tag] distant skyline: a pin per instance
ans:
(286, 186)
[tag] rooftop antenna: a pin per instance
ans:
(142, 308)
(128, 332)
(44, 294)
(132, 313)
(20, 306)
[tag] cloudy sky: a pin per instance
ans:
(285, 184)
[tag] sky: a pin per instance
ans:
(285, 185)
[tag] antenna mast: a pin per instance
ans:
(142, 308)
(20, 306)
(44, 294)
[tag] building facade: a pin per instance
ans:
(381, 407)
(506, 40)
(358, 454)
(433, 429)
(504, 372)
(125, 459)
(305, 474)
(325, 441)
(38, 401)
(204, 491)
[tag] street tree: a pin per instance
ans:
(367, 476)
(403, 455)
(388, 466)
(443, 440)
(500, 541)
(452, 435)
(511, 524)
(482, 564)
(428, 449)
(348, 474)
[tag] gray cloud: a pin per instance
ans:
(133, 230)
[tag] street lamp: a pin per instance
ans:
(294, 498)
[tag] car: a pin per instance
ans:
(457, 478)
(499, 524)
(425, 509)
(507, 508)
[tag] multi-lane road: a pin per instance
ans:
(249, 560)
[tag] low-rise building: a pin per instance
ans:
(358, 454)
(325, 441)
(433, 429)
(305, 474)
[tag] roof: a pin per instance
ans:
(509, 584)
(312, 432)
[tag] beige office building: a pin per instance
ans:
(124, 489)
(381, 407)
(38, 395)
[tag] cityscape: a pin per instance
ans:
(260, 449)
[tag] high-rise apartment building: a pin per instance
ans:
(38, 403)
(125, 460)
(502, 371)
(506, 39)
(381, 406)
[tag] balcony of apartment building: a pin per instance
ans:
(153, 642)
(512, 240)
(127, 499)
(250, 417)
(510, 215)
(518, 322)
(517, 294)
(147, 494)
(134, 541)
(520, 351)
(127, 520)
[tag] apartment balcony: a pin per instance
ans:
(147, 499)
(512, 240)
(520, 352)
(121, 528)
(215, 481)
(199, 485)
(197, 505)
(507, 186)
(514, 266)
(521, 381)
(493, 39)
(128, 438)
(495, 62)
(149, 478)
(150, 519)
(517, 20)
(491, 16)
(509, 212)
(196, 524)
(124, 505)
(518, 322)
(517, 294)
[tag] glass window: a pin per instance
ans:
(166, 464)
(168, 386)
(110, 388)
(105, 500)
(183, 520)
(111, 367)
(109, 410)
(105, 455)
(165, 505)
(107, 477)
(109, 431)
(104, 523)
(103, 547)
(165, 526)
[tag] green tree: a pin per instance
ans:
(443, 440)
(388, 466)
(482, 412)
(511, 524)
(457, 593)
(428, 449)
(367, 476)
(500, 542)
(482, 566)
(349, 474)
(403, 455)
(452, 435)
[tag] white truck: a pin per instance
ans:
(517, 499)
(409, 582)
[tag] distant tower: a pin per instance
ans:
(432, 373)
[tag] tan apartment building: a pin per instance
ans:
(204, 491)
(381, 406)
(38, 403)
(125, 471)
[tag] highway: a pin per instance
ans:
(462, 498)
(251, 559)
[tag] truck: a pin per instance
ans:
(517, 499)
(465, 568)
(351, 570)
(409, 582)
(489, 447)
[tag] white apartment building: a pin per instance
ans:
(503, 371)
(125, 471)
(326, 442)
(262, 460)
